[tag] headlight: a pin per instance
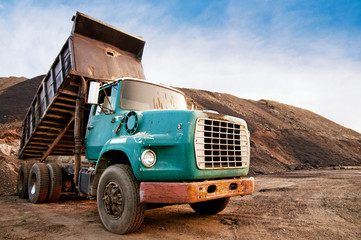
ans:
(148, 158)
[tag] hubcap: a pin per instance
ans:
(33, 184)
(33, 189)
(113, 200)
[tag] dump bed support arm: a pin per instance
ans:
(78, 128)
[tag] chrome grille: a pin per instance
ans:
(221, 144)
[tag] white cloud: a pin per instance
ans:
(277, 63)
(323, 81)
(34, 36)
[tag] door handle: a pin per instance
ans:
(89, 127)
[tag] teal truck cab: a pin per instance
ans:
(134, 143)
(146, 147)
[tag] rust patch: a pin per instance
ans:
(91, 70)
(170, 192)
(157, 104)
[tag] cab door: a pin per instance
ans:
(101, 121)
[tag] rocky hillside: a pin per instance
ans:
(283, 137)
(16, 95)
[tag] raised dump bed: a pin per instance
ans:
(94, 50)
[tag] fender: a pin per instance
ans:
(124, 144)
(133, 147)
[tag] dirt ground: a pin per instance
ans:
(307, 204)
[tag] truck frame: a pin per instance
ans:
(141, 146)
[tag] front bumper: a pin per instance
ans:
(172, 192)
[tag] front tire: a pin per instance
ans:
(38, 183)
(118, 200)
(210, 207)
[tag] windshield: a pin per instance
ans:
(137, 95)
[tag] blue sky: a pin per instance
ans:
(303, 53)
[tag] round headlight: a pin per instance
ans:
(148, 158)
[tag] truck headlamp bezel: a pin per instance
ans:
(148, 158)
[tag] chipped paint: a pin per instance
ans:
(171, 192)
(118, 140)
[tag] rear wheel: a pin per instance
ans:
(210, 207)
(22, 183)
(118, 200)
(38, 183)
(55, 182)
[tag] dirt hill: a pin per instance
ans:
(16, 95)
(283, 137)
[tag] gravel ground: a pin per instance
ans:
(307, 204)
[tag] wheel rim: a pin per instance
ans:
(33, 189)
(113, 200)
(33, 185)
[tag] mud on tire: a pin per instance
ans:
(55, 182)
(22, 183)
(118, 200)
(38, 183)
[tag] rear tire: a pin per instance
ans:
(22, 183)
(55, 183)
(38, 183)
(118, 200)
(210, 207)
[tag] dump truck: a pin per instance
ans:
(133, 144)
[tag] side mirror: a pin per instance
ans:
(194, 106)
(93, 92)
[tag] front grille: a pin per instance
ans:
(221, 144)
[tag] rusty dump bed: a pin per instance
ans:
(94, 50)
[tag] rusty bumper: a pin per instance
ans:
(172, 193)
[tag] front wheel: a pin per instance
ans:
(210, 207)
(118, 200)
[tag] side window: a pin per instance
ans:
(107, 99)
